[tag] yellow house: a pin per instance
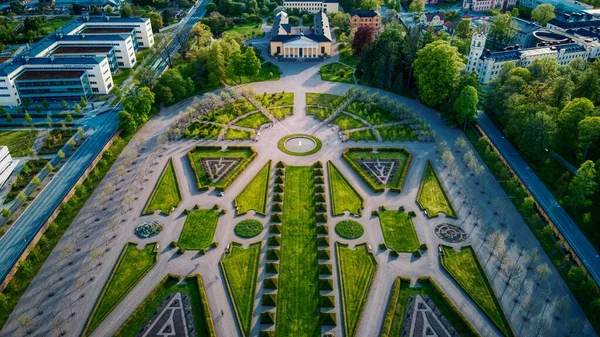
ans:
(286, 44)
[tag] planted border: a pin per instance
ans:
(342, 292)
(240, 319)
(282, 148)
(251, 185)
(333, 191)
(230, 178)
(89, 328)
(168, 166)
(378, 188)
(442, 189)
(504, 325)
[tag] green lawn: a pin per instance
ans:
(169, 286)
(364, 135)
(343, 196)
(131, 266)
(298, 304)
(399, 300)
(248, 228)
(121, 76)
(268, 72)
(316, 98)
(199, 229)
(282, 112)
(248, 30)
(347, 56)
(349, 229)
(346, 122)
(398, 231)
(276, 99)
(401, 132)
(356, 270)
(254, 195)
(465, 269)
(253, 121)
(203, 180)
(241, 269)
(403, 158)
(229, 111)
(234, 134)
(432, 196)
(337, 72)
(166, 194)
(318, 113)
(19, 142)
(372, 113)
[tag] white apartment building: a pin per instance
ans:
(313, 6)
(7, 165)
(487, 64)
(142, 26)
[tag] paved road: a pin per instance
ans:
(576, 239)
(18, 237)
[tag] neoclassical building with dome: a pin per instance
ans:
(287, 42)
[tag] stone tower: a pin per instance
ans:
(477, 48)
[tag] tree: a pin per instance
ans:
(139, 104)
(8, 117)
(364, 36)
(77, 108)
(145, 76)
(588, 132)
(82, 102)
(4, 301)
(236, 66)
(126, 122)
(502, 29)
(341, 20)
(35, 181)
(28, 118)
(68, 118)
(437, 68)
(463, 29)
(215, 64)
(417, 6)
(369, 5)
(535, 135)
(21, 196)
(514, 11)
(156, 21)
(60, 154)
(465, 106)
(583, 185)
(252, 63)
(126, 10)
(391, 15)
(543, 13)
(542, 272)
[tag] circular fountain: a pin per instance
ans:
(299, 144)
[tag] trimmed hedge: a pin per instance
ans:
(328, 319)
(327, 301)
(323, 241)
(325, 284)
(231, 176)
(272, 268)
(269, 300)
(324, 254)
(275, 229)
(274, 241)
(325, 269)
(273, 254)
(271, 283)
(267, 318)
(322, 229)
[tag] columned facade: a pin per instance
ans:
(300, 52)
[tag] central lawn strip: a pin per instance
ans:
(298, 301)
(398, 231)
(198, 229)
(353, 155)
(465, 269)
(19, 143)
(343, 196)
(254, 195)
(431, 196)
(193, 286)
(253, 121)
(166, 194)
(314, 98)
(402, 291)
(130, 268)
(198, 153)
(240, 267)
(356, 270)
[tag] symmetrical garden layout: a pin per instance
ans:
(346, 239)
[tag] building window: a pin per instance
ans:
(95, 90)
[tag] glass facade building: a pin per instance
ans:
(53, 86)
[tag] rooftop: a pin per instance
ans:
(81, 50)
(524, 26)
(10, 66)
(106, 30)
(43, 75)
(575, 20)
(364, 13)
(39, 47)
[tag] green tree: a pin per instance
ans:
(588, 132)
(583, 186)
(568, 121)
(28, 118)
(437, 68)
(64, 104)
(156, 21)
(236, 66)
(514, 11)
(417, 6)
(465, 106)
(5, 301)
(543, 13)
(77, 108)
(535, 135)
(252, 63)
(68, 118)
(369, 5)
(502, 29)
(463, 29)
(139, 104)
(8, 117)
(45, 104)
(82, 102)
(126, 122)
(144, 76)
(341, 20)
(215, 64)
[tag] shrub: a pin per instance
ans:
(328, 318)
(412, 214)
(317, 165)
(180, 250)
(269, 300)
(274, 241)
(319, 189)
(173, 244)
(275, 229)
(273, 254)
(278, 172)
(416, 253)
(393, 253)
(277, 197)
(321, 207)
(349, 229)
(276, 207)
(319, 181)
(279, 180)
(278, 188)
(248, 228)
(383, 246)
(374, 213)
(327, 301)
(323, 241)
(222, 212)
(320, 197)
(423, 246)
(214, 244)
(276, 218)
(382, 208)
(215, 207)
(267, 318)
(324, 254)
(325, 269)
(272, 267)
(318, 172)
(280, 164)
(322, 229)
(321, 218)
(325, 284)
(271, 283)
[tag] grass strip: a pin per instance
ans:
(133, 264)
(398, 231)
(240, 267)
(431, 196)
(199, 228)
(356, 269)
(166, 194)
(254, 195)
(343, 196)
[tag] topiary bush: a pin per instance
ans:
(276, 207)
(267, 318)
(271, 283)
(325, 284)
(269, 300)
(383, 246)
(349, 229)
(393, 253)
(323, 241)
(277, 197)
(272, 267)
(321, 218)
(275, 229)
(416, 253)
(276, 218)
(274, 241)
(412, 214)
(273, 254)
(328, 319)
(322, 229)
(325, 269)
(248, 228)
(423, 246)
(324, 254)
(327, 301)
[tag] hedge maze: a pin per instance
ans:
(386, 168)
(214, 167)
